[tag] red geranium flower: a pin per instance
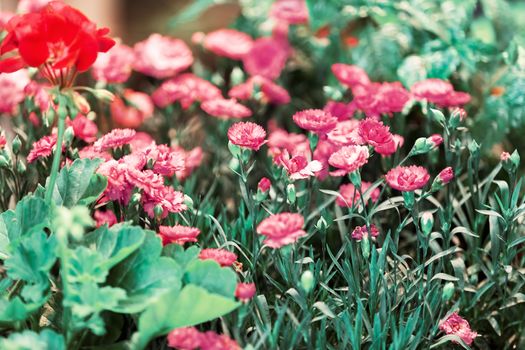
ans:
(58, 39)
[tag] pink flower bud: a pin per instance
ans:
(435, 140)
(446, 175)
(245, 291)
(264, 185)
(504, 156)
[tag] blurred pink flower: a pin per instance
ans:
(192, 160)
(271, 92)
(340, 110)
(266, 58)
(213, 341)
(12, 90)
(345, 133)
(407, 178)
(296, 144)
(131, 110)
(281, 229)
(245, 291)
(315, 120)
(166, 161)
(264, 185)
(290, 11)
(348, 159)
(186, 88)
(178, 234)
(228, 43)
(84, 129)
(361, 232)
(350, 195)
(186, 338)
(161, 56)
(247, 135)
(114, 66)
(439, 92)
(456, 325)
(350, 75)
(104, 217)
(225, 109)
(115, 138)
(27, 6)
(221, 256)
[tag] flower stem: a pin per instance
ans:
(56, 160)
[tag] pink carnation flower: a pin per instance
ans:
(340, 110)
(131, 110)
(361, 232)
(298, 167)
(248, 135)
(439, 92)
(225, 109)
(245, 291)
(322, 153)
(266, 58)
(187, 89)
(186, 338)
(42, 148)
(271, 92)
(166, 161)
(281, 229)
(114, 66)
(345, 133)
(118, 188)
(84, 129)
(456, 325)
(104, 217)
(290, 11)
(192, 160)
(315, 120)
(161, 56)
(392, 98)
(377, 135)
(178, 234)
(115, 138)
(348, 159)
(350, 75)
(407, 178)
(296, 144)
(12, 90)
(213, 341)
(89, 152)
(349, 195)
(165, 198)
(228, 43)
(221, 256)
(3, 141)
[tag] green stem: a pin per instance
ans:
(56, 160)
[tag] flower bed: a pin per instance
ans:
(266, 186)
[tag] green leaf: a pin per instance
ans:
(16, 310)
(115, 244)
(209, 275)
(29, 340)
(190, 306)
(73, 187)
(86, 265)
(181, 256)
(31, 214)
(145, 275)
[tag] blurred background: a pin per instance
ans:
(134, 20)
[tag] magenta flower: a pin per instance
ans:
(221, 256)
(178, 234)
(12, 90)
(264, 185)
(315, 120)
(247, 135)
(162, 57)
(104, 217)
(439, 92)
(131, 110)
(83, 128)
(348, 159)
(407, 178)
(340, 110)
(346, 133)
(281, 229)
(266, 58)
(361, 232)
(456, 325)
(270, 91)
(228, 43)
(186, 338)
(290, 11)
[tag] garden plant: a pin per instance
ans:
(332, 174)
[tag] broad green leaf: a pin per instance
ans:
(29, 340)
(181, 256)
(116, 243)
(78, 181)
(209, 275)
(15, 310)
(145, 275)
(179, 308)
